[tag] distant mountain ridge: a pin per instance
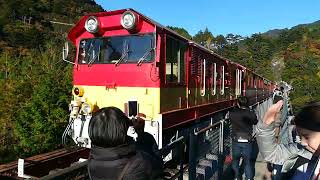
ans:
(309, 25)
(274, 33)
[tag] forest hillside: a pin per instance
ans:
(35, 83)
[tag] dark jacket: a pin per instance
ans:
(108, 163)
(242, 121)
(147, 145)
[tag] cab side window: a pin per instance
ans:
(175, 60)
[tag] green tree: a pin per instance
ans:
(181, 31)
(35, 83)
(220, 41)
(204, 38)
(40, 123)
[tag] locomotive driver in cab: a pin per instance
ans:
(242, 120)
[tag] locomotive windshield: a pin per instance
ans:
(117, 49)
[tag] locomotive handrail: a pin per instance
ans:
(214, 79)
(203, 91)
(237, 80)
(222, 85)
(240, 81)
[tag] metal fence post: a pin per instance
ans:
(181, 156)
(219, 151)
(192, 155)
(221, 137)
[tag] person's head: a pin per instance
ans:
(108, 127)
(281, 88)
(243, 101)
(308, 125)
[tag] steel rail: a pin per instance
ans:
(41, 165)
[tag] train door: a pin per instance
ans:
(173, 94)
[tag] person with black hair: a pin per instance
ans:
(300, 159)
(113, 154)
(242, 121)
(147, 145)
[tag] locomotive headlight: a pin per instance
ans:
(78, 91)
(129, 20)
(92, 24)
(86, 108)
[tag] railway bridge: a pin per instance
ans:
(202, 160)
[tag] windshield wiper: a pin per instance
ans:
(94, 55)
(144, 56)
(124, 53)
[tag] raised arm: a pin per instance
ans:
(269, 149)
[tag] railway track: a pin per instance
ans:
(47, 165)
(60, 164)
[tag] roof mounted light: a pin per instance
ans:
(92, 24)
(129, 20)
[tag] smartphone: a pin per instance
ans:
(133, 108)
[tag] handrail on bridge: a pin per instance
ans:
(181, 142)
(171, 145)
(208, 128)
(193, 148)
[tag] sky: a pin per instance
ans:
(243, 17)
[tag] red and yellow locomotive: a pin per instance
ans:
(127, 60)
